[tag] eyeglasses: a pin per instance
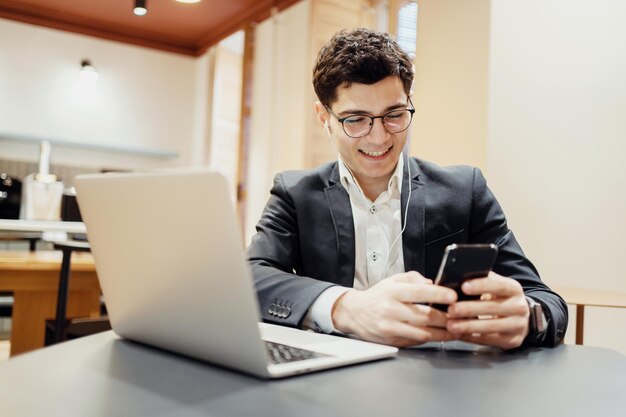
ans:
(359, 125)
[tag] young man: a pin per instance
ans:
(352, 245)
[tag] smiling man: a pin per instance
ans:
(353, 245)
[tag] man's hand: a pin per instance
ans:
(387, 313)
(499, 319)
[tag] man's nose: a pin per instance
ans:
(378, 131)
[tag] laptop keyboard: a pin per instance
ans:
(279, 353)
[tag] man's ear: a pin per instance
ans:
(322, 116)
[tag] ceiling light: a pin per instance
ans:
(140, 7)
(189, 1)
(88, 72)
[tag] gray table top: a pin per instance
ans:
(103, 375)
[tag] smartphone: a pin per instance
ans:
(462, 262)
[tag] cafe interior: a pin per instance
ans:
(142, 85)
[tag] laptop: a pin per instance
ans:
(172, 269)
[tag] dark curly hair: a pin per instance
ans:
(359, 56)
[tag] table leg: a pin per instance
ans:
(580, 323)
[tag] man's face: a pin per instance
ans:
(373, 157)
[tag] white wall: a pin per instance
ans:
(451, 80)
(143, 100)
(534, 92)
(557, 143)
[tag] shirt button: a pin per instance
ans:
(373, 209)
(374, 256)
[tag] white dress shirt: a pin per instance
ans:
(377, 238)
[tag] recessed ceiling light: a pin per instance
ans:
(140, 8)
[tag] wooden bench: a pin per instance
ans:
(581, 298)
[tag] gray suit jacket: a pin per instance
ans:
(305, 237)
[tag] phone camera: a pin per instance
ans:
(453, 260)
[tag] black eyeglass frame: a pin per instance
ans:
(372, 118)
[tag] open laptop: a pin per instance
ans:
(171, 265)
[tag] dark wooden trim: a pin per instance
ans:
(70, 23)
(245, 123)
(80, 25)
(254, 15)
(580, 323)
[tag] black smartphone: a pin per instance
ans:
(462, 262)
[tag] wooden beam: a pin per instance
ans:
(245, 122)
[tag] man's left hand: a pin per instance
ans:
(499, 318)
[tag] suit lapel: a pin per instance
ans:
(341, 212)
(413, 244)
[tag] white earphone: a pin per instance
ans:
(406, 208)
(406, 214)
(327, 128)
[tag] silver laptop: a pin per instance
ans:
(171, 265)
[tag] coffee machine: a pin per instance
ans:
(10, 197)
(42, 192)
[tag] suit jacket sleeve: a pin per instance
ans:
(274, 255)
(488, 224)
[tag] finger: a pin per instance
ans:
(490, 339)
(393, 331)
(411, 277)
(513, 306)
(429, 334)
(410, 293)
(414, 314)
(494, 284)
(424, 315)
(504, 341)
(511, 324)
(401, 342)
(397, 342)
(435, 334)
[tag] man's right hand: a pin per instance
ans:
(391, 312)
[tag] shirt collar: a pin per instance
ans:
(395, 182)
